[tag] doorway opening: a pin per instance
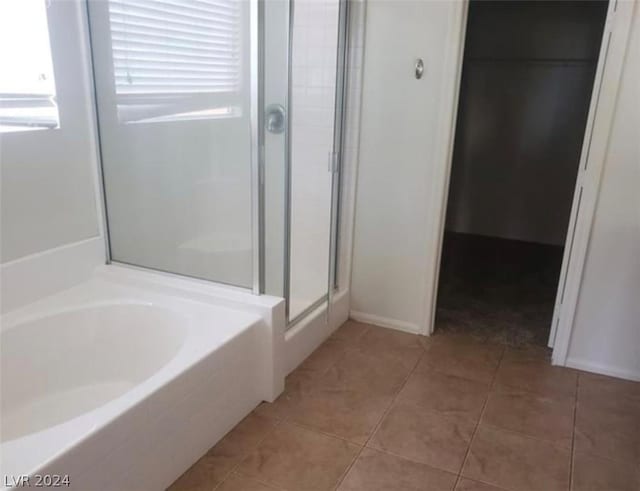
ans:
(527, 79)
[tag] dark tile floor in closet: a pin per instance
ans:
(377, 409)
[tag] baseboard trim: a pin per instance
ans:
(589, 366)
(385, 322)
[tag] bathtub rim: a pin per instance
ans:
(256, 309)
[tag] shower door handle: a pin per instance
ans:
(275, 118)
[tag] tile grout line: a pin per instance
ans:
(235, 467)
(324, 433)
(395, 397)
(529, 437)
(573, 433)
(286, 420)
(346, 471)
(383, 416)
(591, 452)
(357, 456)
(484, 406)
(322, 372)
(252, 478)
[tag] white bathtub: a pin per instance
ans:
(122, 382)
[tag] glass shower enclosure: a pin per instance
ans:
(218, 139)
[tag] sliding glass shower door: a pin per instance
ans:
(181, 89)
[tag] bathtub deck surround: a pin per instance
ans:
(378, 409)
(127, 382)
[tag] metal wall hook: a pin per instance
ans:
(419, 68)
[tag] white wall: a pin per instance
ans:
(400, 159)
(48, 193)
(606, 332)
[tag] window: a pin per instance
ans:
(27, 85)
(176, 59)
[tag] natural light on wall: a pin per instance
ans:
(27, 85)
(175, 59)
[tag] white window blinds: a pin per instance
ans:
(172, 56)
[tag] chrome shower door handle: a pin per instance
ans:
(419, 68)
(275, 118)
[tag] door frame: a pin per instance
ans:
(602, 109)
(599, 122)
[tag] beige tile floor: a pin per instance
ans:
(377, 409)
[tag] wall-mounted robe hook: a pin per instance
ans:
(419, 68)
